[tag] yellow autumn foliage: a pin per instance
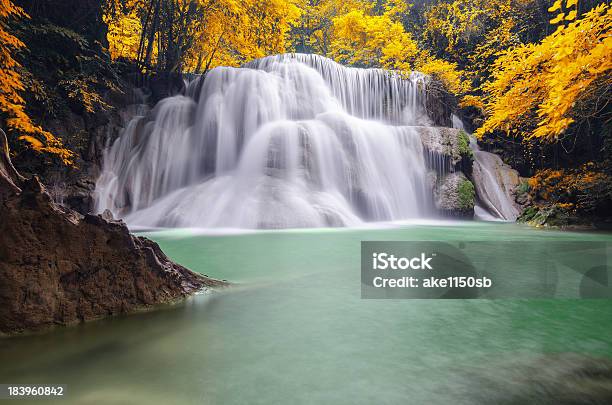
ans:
(11, 102)
(230, 33)
(537, 86)
(123, 35)
(224, 32)
(363, 38)
(447, 72)
(251, 29)
(470, 100)
(474, 31)
(570, 189)
(313, 32)
(360, 39)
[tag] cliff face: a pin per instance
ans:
(58, 267)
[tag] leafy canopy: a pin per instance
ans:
(11, 85)
(547, 86)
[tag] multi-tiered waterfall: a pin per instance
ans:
(285, 141)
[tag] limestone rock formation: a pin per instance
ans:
(59, 267)
(454, 196)
(449, 143)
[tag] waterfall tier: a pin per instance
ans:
(495, 183)
(285, 141)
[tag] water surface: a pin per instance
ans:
(295, 330)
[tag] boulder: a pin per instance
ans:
(446, 147)
(454, 196)
(439, 103)
(58, 267)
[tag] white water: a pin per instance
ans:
(493, 182)
(286, 141)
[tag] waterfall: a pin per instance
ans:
(285, 141)
(494, 182)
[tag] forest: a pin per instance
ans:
(531, 78)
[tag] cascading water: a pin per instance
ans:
(285, 141)
(494, 183)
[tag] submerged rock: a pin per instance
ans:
(547, 379)
(59, 267)
(454, 196)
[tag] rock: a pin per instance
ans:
(439, 103)
(446, 147)
(554, 216)
(449, 158)
(107, 215)
(166, 84)
(58, 267)
(522, 199)
(454, 196)
(496, 185)
(521, 193)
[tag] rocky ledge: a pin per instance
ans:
(58, 267)
(452, 145)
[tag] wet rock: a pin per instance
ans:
(439, 104)
(107, 216)
(554, 216)
(454, 196)
(166, 84)
(522, 197)
(496, 185)
(58, 267)
(449, 145)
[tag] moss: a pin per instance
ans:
(467, 194)
(535, 216)
(552, 215)
(463, 144)
(528, 214)
(523, 188)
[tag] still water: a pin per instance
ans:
(294, 329)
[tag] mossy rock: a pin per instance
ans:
(467, 195)
(455, 195)
(534, 216)
(528, 214)
(551, 215)
(463, 145)
(445, 142)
